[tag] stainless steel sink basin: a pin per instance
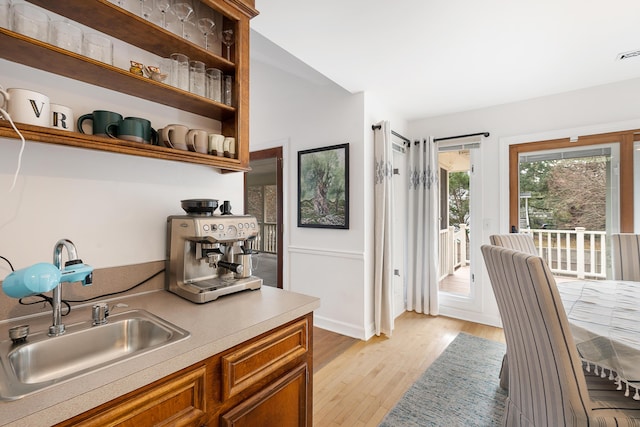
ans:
(43, 361)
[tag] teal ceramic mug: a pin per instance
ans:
(150, 134)
(127, 129)
(100, 120)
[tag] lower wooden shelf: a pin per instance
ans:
(80, 140)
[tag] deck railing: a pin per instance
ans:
(453, 250)
(581, 253)
(576, 253)
(267, 240)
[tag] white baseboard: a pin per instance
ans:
(338, 327)
(471, 316)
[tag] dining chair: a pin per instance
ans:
(625, 256)
(519, 242)
(547, 383)
(516, 241)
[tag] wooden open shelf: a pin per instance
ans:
(121, 24)
(80, 140)
(110, 19)
(34, 53)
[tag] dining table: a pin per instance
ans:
(604, 317)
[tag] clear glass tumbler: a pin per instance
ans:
(228, 90)
(197, 78)
(30, 20)
(180, 70)
(65, 35)
(214, 84)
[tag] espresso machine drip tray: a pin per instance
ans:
(209, 290)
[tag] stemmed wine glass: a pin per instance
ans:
(228, 40)
(146, 7)
(206, 24)
(163, 6)
(183, 10)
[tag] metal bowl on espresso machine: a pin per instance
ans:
(209, 255)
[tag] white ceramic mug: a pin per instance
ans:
(62, 117)
(27, 106)
(229, 147)
(216, 144)
(175, 136)
(198, 140)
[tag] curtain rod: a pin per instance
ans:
(485, 134)
(405, 139)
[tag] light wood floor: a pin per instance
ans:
(362, 383)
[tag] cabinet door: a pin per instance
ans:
(177, 402)
(281, 404)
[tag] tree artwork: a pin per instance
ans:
(323, 187)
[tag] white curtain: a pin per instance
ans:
(423, 227)
(383, 233)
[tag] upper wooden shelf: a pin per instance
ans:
(80, 140)
(121, 24)
(37, 54)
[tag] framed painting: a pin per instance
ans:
(323, 187)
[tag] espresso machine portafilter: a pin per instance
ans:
(206, 257)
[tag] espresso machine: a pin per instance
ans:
(209, 255)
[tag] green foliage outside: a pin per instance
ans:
(566, 193)
(459, 198)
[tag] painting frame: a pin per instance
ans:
(324, 172)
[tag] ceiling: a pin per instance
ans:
(425, 58)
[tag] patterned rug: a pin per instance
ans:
(460, 388)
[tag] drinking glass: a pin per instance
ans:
(65, 35)
(180, 70)
(214, 84)
(228, 40)
(4, 13)
(206, 23)
(163, 6)
(98, 47)
(228, 90)
(197, 78)
(30, 20)
(146, 8)
(183, 10)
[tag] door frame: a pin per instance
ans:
(271, 153)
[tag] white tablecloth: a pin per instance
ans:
(605, 321)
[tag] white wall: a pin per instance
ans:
(294, 106)
(599, 109)
(113, 206)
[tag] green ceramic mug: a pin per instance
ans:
(150, 134)
(127, 129)
(100, 120)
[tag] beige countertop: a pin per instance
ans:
(214, 327)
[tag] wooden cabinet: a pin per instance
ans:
(178, 400)
(266, 381)
(101, 15)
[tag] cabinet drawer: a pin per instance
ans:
(179, 402)
(252, 363)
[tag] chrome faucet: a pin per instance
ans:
(74, 271)
(57, 328)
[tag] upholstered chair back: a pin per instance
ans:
(516, 241)
(625, 256)
(547, 385)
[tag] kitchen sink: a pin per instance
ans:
(43, 361)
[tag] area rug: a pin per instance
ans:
(460, 388)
